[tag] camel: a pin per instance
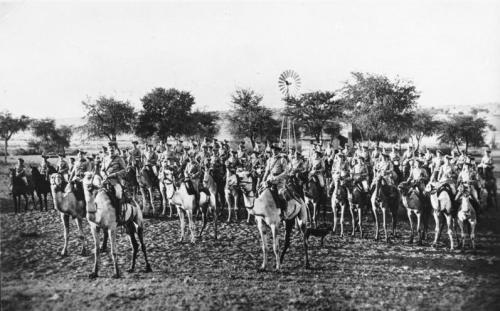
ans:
(266, 212)
(232, 194)
(41, 184)
(356, 200)
(101, 214)
(415, 203)
(68, 202)
(340, 198)
(466, 212)
(208, 201)
(167, 190)
(313, 194)
(147, 183)
(384, 197)
(184, 198)
(441, 201)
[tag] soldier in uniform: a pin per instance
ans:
(446, 174)
(114, 170)
(192, 171)
(486, 160)
(63, 167)
(150, 159)
(81, 166)
(276, 174)
(418, 176)
(44, 165)
(359, 173)
(135, 155)
(71, 164)
(20, 171)
(467, 177)
(317, 168)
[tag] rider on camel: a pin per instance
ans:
(114, 170)
(20, 171)
(275, 175)
(62, 166)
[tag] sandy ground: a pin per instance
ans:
(347, 273)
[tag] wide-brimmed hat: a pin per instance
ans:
(60, 154)
(135, 142)
(80, 151)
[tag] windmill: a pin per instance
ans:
(289, 85)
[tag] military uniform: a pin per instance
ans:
(114, 168)
(136, 157)
(276, 172)
(151, 159)
(80, 167)
(63, 168)
(21, 173)
(318, 169)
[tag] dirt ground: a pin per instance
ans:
(346, 273)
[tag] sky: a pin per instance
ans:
(53, 55)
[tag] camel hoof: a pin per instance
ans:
(64, 253)
(410, 241)
(148, 269)
(434, 245)
(308, 266)
(93, 275)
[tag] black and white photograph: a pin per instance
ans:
(250, 155)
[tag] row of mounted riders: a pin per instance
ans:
(350, 190)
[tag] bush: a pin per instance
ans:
(22, 151)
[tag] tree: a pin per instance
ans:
(108, 117)
(463, 129)
(379, 108)
(203, 124)
(313, 111)
(249, 118)
(422, 124)
(164, 113)
(10, 125)
(51, 138)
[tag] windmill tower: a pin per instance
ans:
(289, 85)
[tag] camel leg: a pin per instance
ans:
(359, 224)
(135, 248)
(236, 199)
(462, 233)
(191, 226)
(276, 245)
(163, 201)
(112, 238)
(15, 203)
(288, 230)
(144, 200)
(408, 212)
(384, 216)
(204, 217)
(248, 216)
(303, 229)
(374, 209)
(394, 214)
(437, 230)
(183, 223)
(353, 221)
(104, 246)
(65, 221)
(263, 237)
(228, 200)
(78, 222)
(473, 233)
(27, 202)
(334, 211)
(95, 235)
(342, 211)
(215, 215)
(449, 223)
(314, 213)
(151, 200)
(140, 235)
(419, 227)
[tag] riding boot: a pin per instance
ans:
(280, 202)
